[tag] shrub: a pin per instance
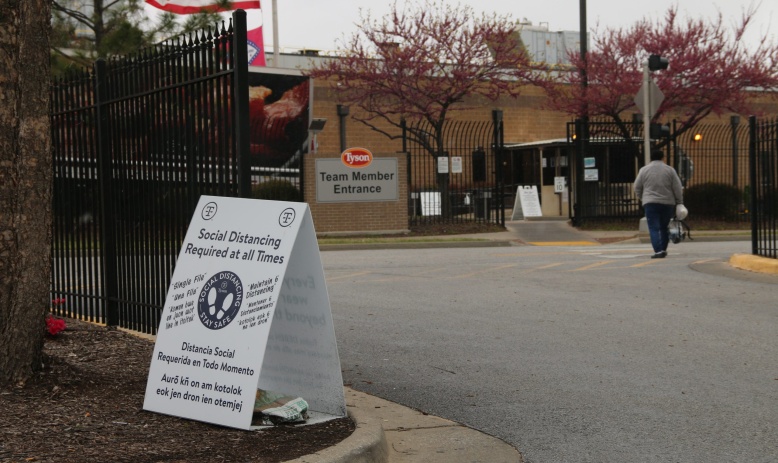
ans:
(717, 201)
(276, 190)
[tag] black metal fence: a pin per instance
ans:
(711, 159)
(763, 191)
(136, 141)
(719, 154)
(460, 182)
(605, 161)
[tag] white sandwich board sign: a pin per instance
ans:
(527, 203)
(247, 309)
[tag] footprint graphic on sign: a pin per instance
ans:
(212, 301)
(220, 300)
(225, 305)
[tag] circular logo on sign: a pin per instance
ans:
(209, 211)
(220, 300)
(356, 158)
(287, 217)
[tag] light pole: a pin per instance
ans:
(275, 34)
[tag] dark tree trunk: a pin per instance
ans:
(25, 186)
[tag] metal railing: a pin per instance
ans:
(136, 140)
(763, 197)
(462, 181)
(711, 159)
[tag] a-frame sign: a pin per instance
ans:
(247, 309)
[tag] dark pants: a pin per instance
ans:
(658, 218)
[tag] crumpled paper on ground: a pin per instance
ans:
(276, 408)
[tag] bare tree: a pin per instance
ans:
(25, 187)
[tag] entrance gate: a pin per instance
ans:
(458, 178)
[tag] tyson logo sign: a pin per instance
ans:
(356, 158)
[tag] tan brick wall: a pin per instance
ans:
(525, 119)
(358, 217)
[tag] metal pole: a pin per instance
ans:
(275, 34)
(582, 124)
(240, 106)
(734, 122)
(752, 147)
(647, 114)
(108, 261)
(584, 73)
(582, 39)
(499, 142)
(342, 113)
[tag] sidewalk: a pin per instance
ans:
(391, 433)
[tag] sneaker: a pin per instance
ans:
(659, 255)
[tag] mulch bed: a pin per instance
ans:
(87, 405)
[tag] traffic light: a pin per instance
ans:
(656, 63)
(658, 131)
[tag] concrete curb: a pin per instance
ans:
(367, 444)
(486, 243)
(754, 263)
(705, 237)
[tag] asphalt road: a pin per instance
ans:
(571, 354)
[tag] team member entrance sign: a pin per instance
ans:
(357, 176)
(247, 309)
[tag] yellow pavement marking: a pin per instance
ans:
(643, 264)
(594, 265)
(490, 269)
(549, 266)
(563, 243)
(535, 253)
(542, 267)
(426, 272)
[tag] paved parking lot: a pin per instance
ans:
(569, 353)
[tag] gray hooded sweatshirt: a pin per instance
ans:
(658, 183)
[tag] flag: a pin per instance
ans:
(197, 6)
(256, 47)
(255, 39)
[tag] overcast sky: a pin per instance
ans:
(320, 24)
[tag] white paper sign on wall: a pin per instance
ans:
(456, 164)
(247, 309)
(442, 164)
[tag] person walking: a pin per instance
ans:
(659, 189)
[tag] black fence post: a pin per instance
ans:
(734, 121)
(752, 153)
(240, 97)
(499, 144)
(577, 169)
(107, 223)
(672, 146)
